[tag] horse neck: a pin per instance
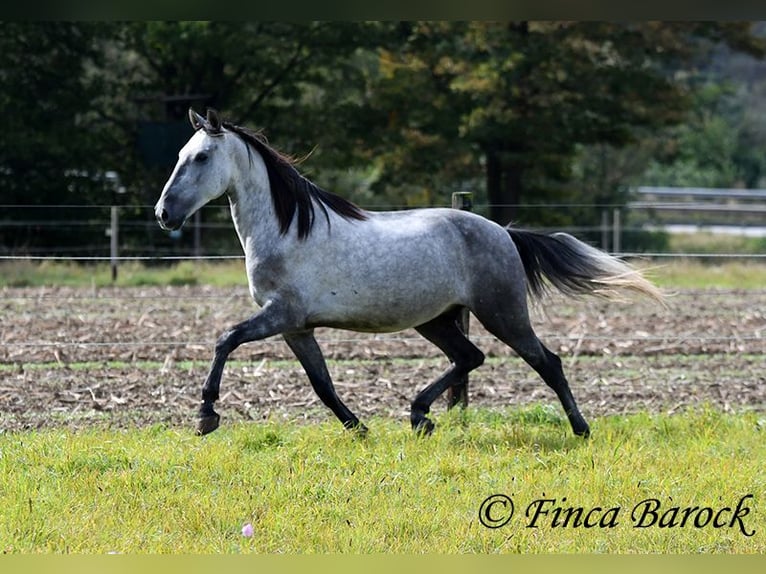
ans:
(252, 211)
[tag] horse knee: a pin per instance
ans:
(225, 343)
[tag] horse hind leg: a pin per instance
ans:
(549, 368)
(444, 332)
(520, 336)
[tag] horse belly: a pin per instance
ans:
(384, 309)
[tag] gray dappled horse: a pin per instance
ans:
(314, 259)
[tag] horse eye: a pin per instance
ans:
(201, 157)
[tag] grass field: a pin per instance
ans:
(678, 273)
(317, 488)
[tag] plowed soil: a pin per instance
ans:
(137, 356)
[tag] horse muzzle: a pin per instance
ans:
(168, 220)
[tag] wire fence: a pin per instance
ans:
(130, 234)
(165, 248)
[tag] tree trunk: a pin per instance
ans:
(504, 189)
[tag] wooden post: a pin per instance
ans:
(616, 231)
(458, 394)
(197, 233)
(113, 241)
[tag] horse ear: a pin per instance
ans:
(214, 120)
(197, 121)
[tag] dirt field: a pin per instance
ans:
(127, 357)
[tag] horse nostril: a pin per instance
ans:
(164, 216)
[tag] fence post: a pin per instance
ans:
(616, 231)
(113, 241)
(458, 394)
(198, 233)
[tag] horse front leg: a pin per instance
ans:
(272, 319)
(307, 350)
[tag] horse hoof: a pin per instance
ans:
(424, 427)
(207, 424)
(358, 428)
(582, 430)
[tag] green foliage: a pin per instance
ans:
(519, 98)
(689, 274)
(392, 113)
(709, 243)
(317, 488)
(709, 150)
(52, 149)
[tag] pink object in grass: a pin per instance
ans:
(247, 530)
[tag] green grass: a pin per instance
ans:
(316, 488)
(705, 242)
(679, 273)
(132, 274)
(690, 274)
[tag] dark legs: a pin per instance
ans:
(444, 332)
(514, 330)
(522, 339)
(305, 347)
(511, 327)
(549, 368)
(271, 320)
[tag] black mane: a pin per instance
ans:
(290, 191)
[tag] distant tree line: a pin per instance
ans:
(388, 113)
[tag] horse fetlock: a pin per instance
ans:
(424, 427)
(579, 426)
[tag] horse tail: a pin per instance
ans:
(575, 268)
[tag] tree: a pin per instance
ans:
(85, 98)
(46, 141)
(722, 143)
(50, 151)
(267, 73)
(518, 97)
(406, 111)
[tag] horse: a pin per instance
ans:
(314, 259)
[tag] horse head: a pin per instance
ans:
(203, 172)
